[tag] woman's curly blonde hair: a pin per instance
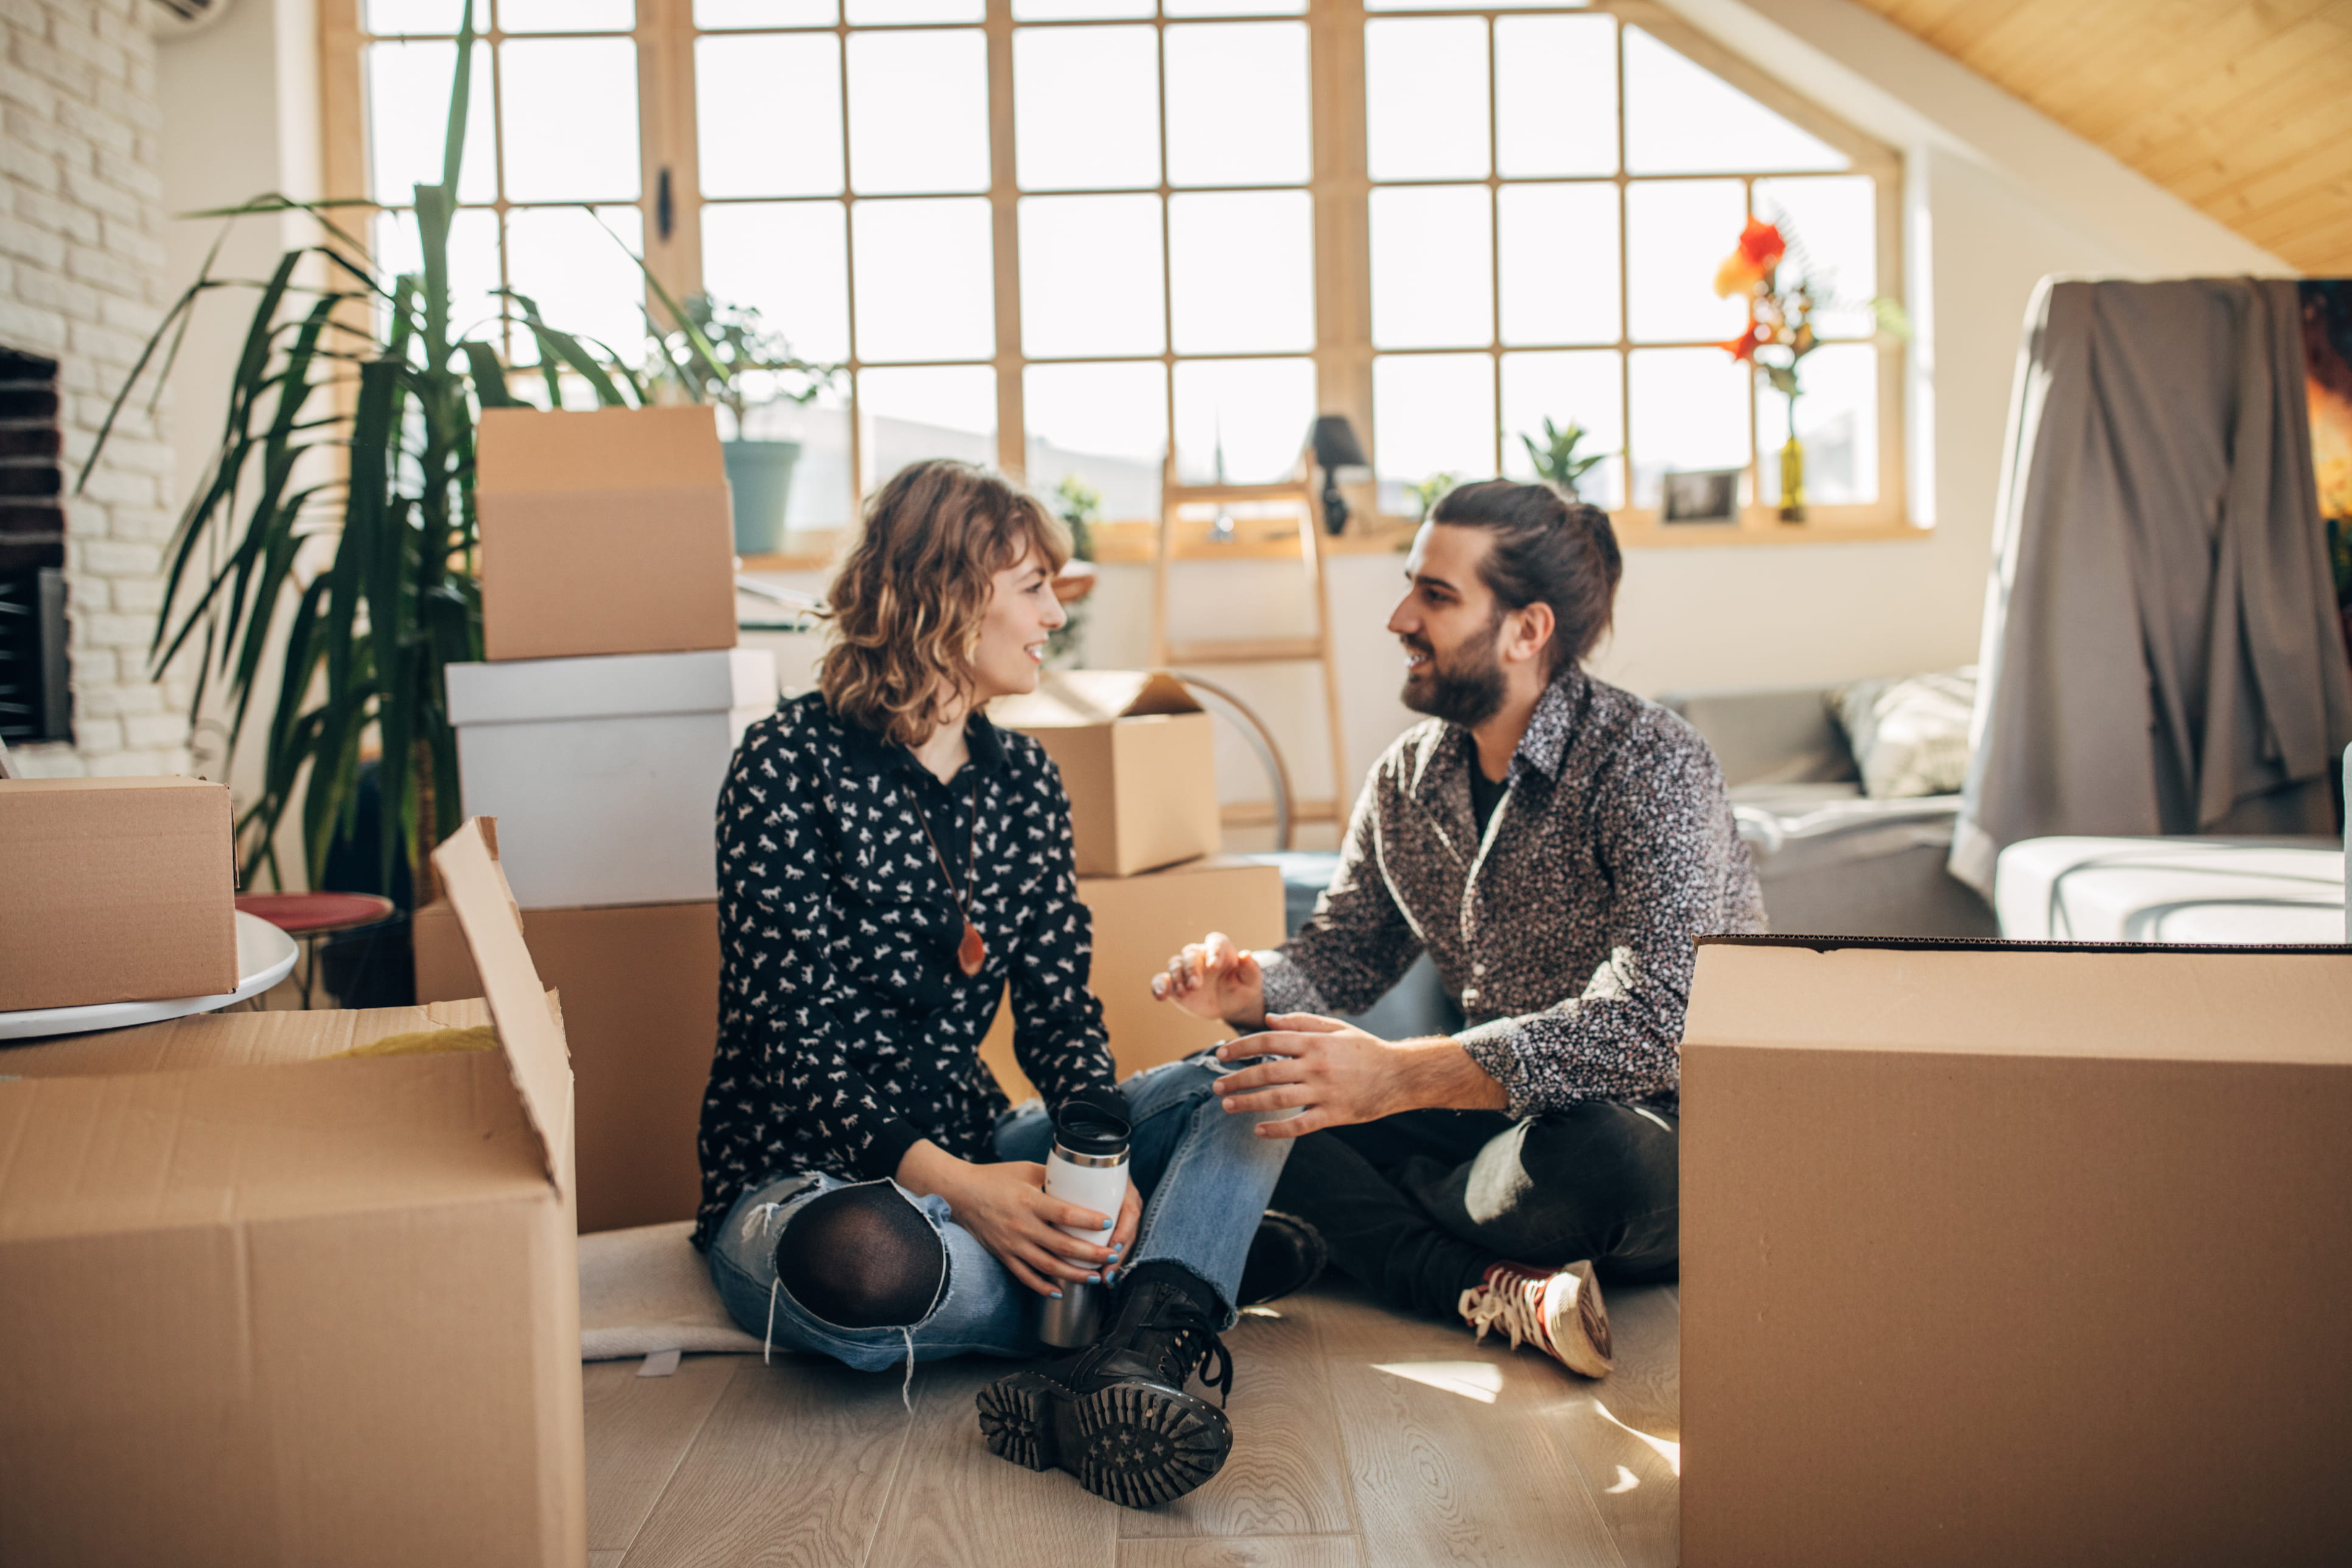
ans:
(906, 605)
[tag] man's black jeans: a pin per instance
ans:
(1415, 1207)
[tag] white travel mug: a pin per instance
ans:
(1088, 1167)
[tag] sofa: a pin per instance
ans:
(1833, 861)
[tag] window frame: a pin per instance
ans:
(1338, 188)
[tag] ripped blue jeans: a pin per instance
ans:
(1203, 1176)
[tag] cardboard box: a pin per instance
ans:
(264, 1309)
(115, 890)
(2015, 1254)
(640, 989)
(609, 531)
(1140, 922)
(1139, 758)
(604, 773)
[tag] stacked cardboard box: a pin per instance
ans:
(599, 733)
(265, 1306)
(1137, 757)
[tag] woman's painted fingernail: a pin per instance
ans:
(1117, 1247)
(1094, 1278)
(1057, 1295)
(1106, 1225)
(1110, 1276)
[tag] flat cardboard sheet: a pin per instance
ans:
(115, 890)
(1997, 1253)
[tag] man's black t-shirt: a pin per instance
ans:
(1485, 796)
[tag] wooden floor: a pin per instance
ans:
(1362, 1440)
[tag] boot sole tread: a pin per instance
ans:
(1135, 1443)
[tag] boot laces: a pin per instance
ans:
(1510, 1301)
(1193, 1341)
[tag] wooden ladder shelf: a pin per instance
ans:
(1167, 653)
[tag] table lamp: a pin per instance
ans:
(1335, 446)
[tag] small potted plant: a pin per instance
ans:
(1557, 459)
(724, 353)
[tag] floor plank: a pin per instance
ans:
(954, 1504)
(1286, 1475)
(606, 1559)
(790, 1470)
(1626, 1437)
(1462, 1456)
(644, 1427)
(1269, 1551)
(1350, 1324)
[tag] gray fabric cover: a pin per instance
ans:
(2161, 649)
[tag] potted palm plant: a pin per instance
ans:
(338, 512)
(724, 353)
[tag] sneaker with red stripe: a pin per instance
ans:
(1558, 1311)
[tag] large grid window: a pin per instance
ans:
(1072, 238)
(1551, 194)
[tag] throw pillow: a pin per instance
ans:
(1909, 735)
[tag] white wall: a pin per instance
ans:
(240, 108)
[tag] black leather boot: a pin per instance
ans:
(1286, 1255)
(1115, 1414)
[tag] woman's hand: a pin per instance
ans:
(1215, 979)
(1005, 1205)
(1122, 1240)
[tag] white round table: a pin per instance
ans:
(264, 955)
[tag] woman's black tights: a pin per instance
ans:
(862, 1258)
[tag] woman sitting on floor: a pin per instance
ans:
(888, 861)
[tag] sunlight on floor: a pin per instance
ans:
(1672, 1452)
(1478, 1380)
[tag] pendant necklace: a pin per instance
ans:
(972, 952)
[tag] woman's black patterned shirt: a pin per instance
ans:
(846, 1031)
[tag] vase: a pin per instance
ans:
(760, 475)
(1792, 481)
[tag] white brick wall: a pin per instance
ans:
(81, 256)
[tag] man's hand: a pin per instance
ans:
(1341, 1075)
(1005, 1205)
(1215, 980)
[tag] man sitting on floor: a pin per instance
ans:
(1554, 844)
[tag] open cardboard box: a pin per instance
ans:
(264, 1309)
(115, 890)
(2010, 1253)
(604, 531)
(640, 988)
(1138, 760)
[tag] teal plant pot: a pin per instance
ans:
(761, 474)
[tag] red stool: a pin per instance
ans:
(306, 916)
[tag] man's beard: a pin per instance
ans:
(1466, 689)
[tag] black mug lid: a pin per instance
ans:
(1084, 1129)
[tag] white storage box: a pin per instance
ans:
(2170, 890)
(604, 772)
